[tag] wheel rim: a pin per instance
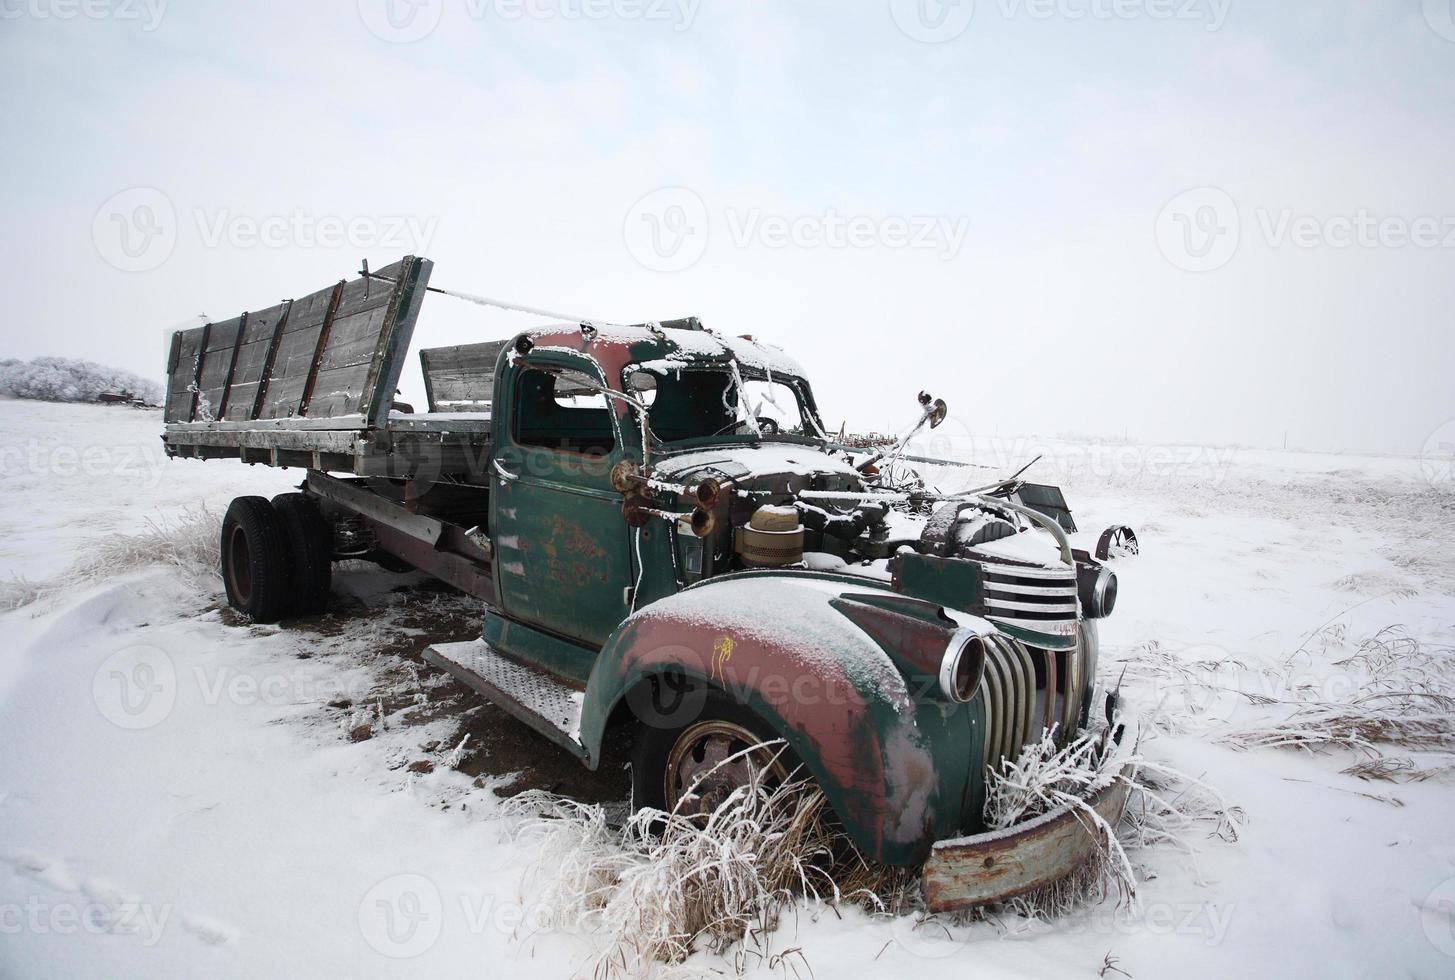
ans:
(240, 565)
(712, 759)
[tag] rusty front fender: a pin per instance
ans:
(895, 768)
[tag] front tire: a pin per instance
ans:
(692, 768)
(255, 560)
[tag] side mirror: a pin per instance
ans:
(935, 409)
(641, 381)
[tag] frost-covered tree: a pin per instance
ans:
(69, 379)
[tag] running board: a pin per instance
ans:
(538, 699)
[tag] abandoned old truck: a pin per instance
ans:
(665, 537)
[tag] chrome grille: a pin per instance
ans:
(1031, 597)
(1009, 691)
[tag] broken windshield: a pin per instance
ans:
(697, 403)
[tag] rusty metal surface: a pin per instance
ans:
(971, 871)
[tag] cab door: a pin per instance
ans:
(563, 555)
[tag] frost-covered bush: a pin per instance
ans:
(69, 379)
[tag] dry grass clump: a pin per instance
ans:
(1401, 697)
(191, 543)
(20, 592)
(1393, 692)
(1164, 807)
(666, 885)
(188, 543)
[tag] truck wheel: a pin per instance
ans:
(255, 560)
(310, 551)
(693, 768)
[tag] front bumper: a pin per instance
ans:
(1003, 864)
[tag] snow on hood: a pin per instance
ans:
(738, 461)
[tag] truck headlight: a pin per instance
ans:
(1096, 586)
(963, 665)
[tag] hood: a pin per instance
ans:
(740, 462)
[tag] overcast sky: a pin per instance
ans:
(1200, 220)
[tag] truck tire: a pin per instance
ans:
(665, 759)
(255, 560)
(310, 551)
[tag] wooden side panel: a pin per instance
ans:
(217, 362)
(181, 371)
(252, 355)
(339, 352)
(461, 379)
(357, 330)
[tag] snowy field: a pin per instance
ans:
(183, 794)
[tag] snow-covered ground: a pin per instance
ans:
(182, 794)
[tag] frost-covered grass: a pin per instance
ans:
(189, 543)
(664, 885)
(1388, 693)
(1165, 807)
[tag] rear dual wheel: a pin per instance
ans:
(277, 557)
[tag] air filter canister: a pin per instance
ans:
(772, 537)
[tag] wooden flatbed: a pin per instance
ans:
(311, 383)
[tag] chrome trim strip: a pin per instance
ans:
(1026, 705)
(1017, 589)
(1075, 658)
(995, 568)
(1045, 607)
(1017, 716)
(995, 706)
